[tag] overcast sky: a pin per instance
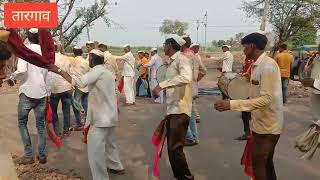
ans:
(141, 19)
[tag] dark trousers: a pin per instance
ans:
(246, 117)
(65, 98)
(177, 127)
(262, 160)
(285, 84)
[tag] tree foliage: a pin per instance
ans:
(75, 20)
(173, 27)
(288, 17)
(307, 36)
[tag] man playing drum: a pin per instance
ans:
(265, 104)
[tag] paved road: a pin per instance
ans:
(216, 157)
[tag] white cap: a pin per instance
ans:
(103, 43)
(77, 47)
(153, 49)
(226, 46)
(140, 51)
(90, 42)
(126, 45)
(194, 45)
(185, 36)
(33, 30)
(97, 52)
(177, 38)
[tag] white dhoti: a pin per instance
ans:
(102, 152)
(153, 84)
(128, 89)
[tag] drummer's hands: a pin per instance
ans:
(156, 91)
(222, 105)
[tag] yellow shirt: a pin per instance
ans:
(178, 85)
(265, 101)
(285, 60)
(143, 70)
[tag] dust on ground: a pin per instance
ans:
(37, 171)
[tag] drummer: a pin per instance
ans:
(265, 104)
(315, 97)
(226, 58)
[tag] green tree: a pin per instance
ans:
(221, 43)
(173, 27)
(307, 35)
(214, 43)
(288, 17)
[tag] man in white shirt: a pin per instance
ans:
(226, 58)
(33, 93)
(109, 60)
(265, 104)
(61, 90)
(178, 85)
(102, 117)
(128, 74)
(154, 63)
(80, 67)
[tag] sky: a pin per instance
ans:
(137, 22)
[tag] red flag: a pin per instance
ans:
(85, 134)
(246, 159)
(120, 84)
(52, 135)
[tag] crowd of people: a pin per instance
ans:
(91, 87)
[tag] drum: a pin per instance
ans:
(234, 86)
(161, 73)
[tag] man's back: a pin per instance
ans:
(102, 97)
(285, 60)
(129, 64)
(33, 78)
(59, 84)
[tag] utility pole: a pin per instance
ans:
(198, 25)
(265, 17)
(88, 32)
(205, 31)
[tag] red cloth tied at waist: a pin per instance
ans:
(21, 51)
(246, 159)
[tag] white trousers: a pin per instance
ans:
(153, 84)
(102, 152)
(129, 89)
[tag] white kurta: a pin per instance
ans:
(102, 117)
(154, 63)
(35, 82)
(128, 73)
